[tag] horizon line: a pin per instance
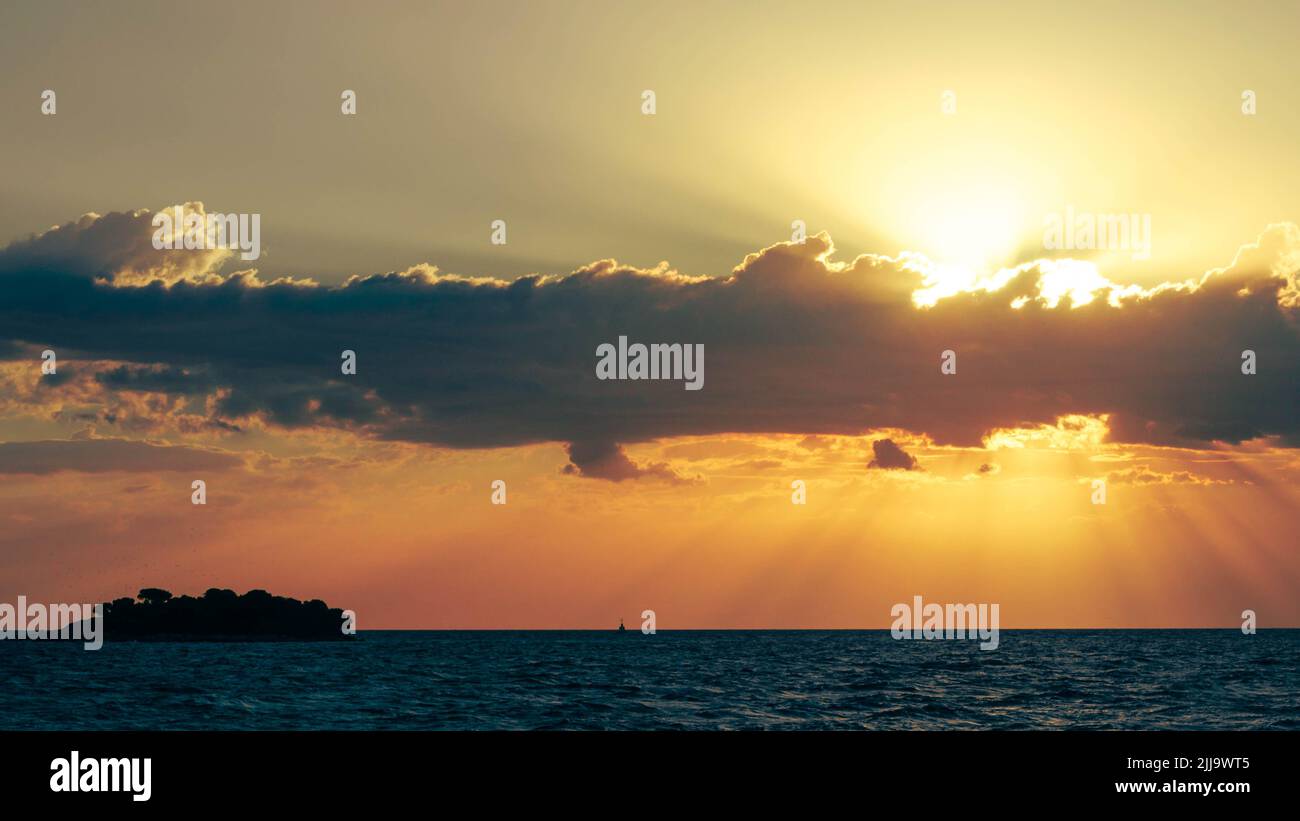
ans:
(765, 629)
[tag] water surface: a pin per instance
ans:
(697, 680)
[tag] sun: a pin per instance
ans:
(976, 228)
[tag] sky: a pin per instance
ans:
(847, 205)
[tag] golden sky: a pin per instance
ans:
(924, 146)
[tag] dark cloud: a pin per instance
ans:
(606, 460)
(104, 455)
(162, 379)
(793, 343)
(889, 456)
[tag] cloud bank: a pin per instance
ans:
(796, 343)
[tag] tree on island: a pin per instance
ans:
(154, 595)
(221, 615)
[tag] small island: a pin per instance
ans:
(221, 615)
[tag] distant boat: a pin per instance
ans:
(621, 628)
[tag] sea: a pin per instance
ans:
(672, 680)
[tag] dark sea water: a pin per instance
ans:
(697, 680)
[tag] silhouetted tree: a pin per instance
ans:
(154, 595)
